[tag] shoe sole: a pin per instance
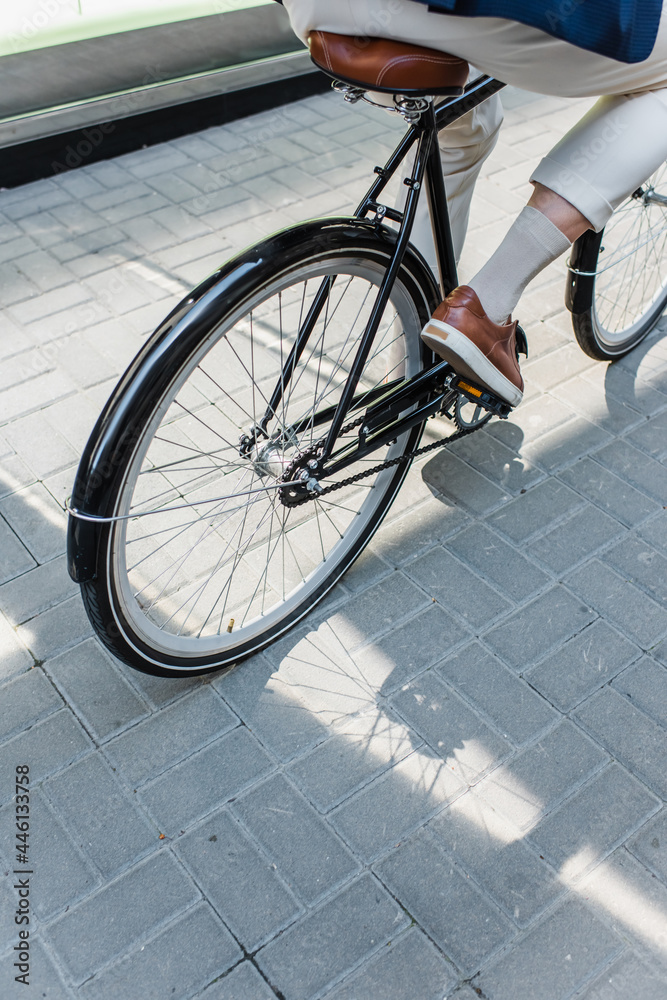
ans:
(467, 359)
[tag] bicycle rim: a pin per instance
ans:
(205, 563)
(630, 291)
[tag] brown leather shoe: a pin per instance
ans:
(461, 333)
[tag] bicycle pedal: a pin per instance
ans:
(481, 396)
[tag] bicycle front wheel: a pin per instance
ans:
(201, 563)
(621, 274)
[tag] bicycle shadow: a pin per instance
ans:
(414, 730)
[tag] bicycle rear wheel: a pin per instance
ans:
(202, 564)
(621, 288)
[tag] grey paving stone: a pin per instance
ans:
(645, 683)
(334, 938)
(25, 700)
(491, 849)
(322, 671)
(464, 993)
(445, 903)
(651, 435)
(408, 967)
(498, 463)
(644, 473)
(61, 873)
(359, 750)
(238, 880)
(8, 928)
(14, 657)
(460, 483)
(660, 651)
(96, 689)
(121, 915)
(170, 735)
(242, 983)
(366, 570)
(15, 558)
(601, 408)
(633, 901)
(205, 780)
(47, 746)
(636, 560)
(629, 735)
(272, 708)
(565, 444)
(37, 520)
(45, 980)
(38, 589)
(56, 629)
(391, 661)
(553, 959)
(499, 562)
(533, 419)
(583, 664)
(186, 954)
(161, 691)
(457, 734)
(101, 817)
(303, 849)
(655, 531)
(641, 618)
(627, 978)
(533, 631)
(650, 845)
(514, 708)
(49, 302)
(374, 610)
(456, 588)
(400, 539)
(574, 540)
(404, 797)
(540, 506)
(558, 366)
(624, 385)
(613, 494)
(542, 775)
(577, 835)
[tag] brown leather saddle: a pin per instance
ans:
(386, 66)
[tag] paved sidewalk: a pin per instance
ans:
(450, 782)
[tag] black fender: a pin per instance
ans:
(131, 404)
(581, 271)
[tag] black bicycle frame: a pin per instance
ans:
(426, 171)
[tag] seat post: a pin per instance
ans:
(438, 211)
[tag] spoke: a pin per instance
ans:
(244, 555)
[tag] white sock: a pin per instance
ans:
(531, 243)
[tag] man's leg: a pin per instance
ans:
(464, 146)
(596, 166)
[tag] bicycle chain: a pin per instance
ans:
(401, 459)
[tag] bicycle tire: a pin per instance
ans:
(618, 278)
(143, 604)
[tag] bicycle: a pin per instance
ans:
(256, 442)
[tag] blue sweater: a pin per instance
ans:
(621, 29)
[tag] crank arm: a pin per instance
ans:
(453, 384)
(367, 444)
(414, 391)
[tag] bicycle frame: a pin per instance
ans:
(426, 172)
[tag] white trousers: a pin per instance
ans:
(602, 160)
